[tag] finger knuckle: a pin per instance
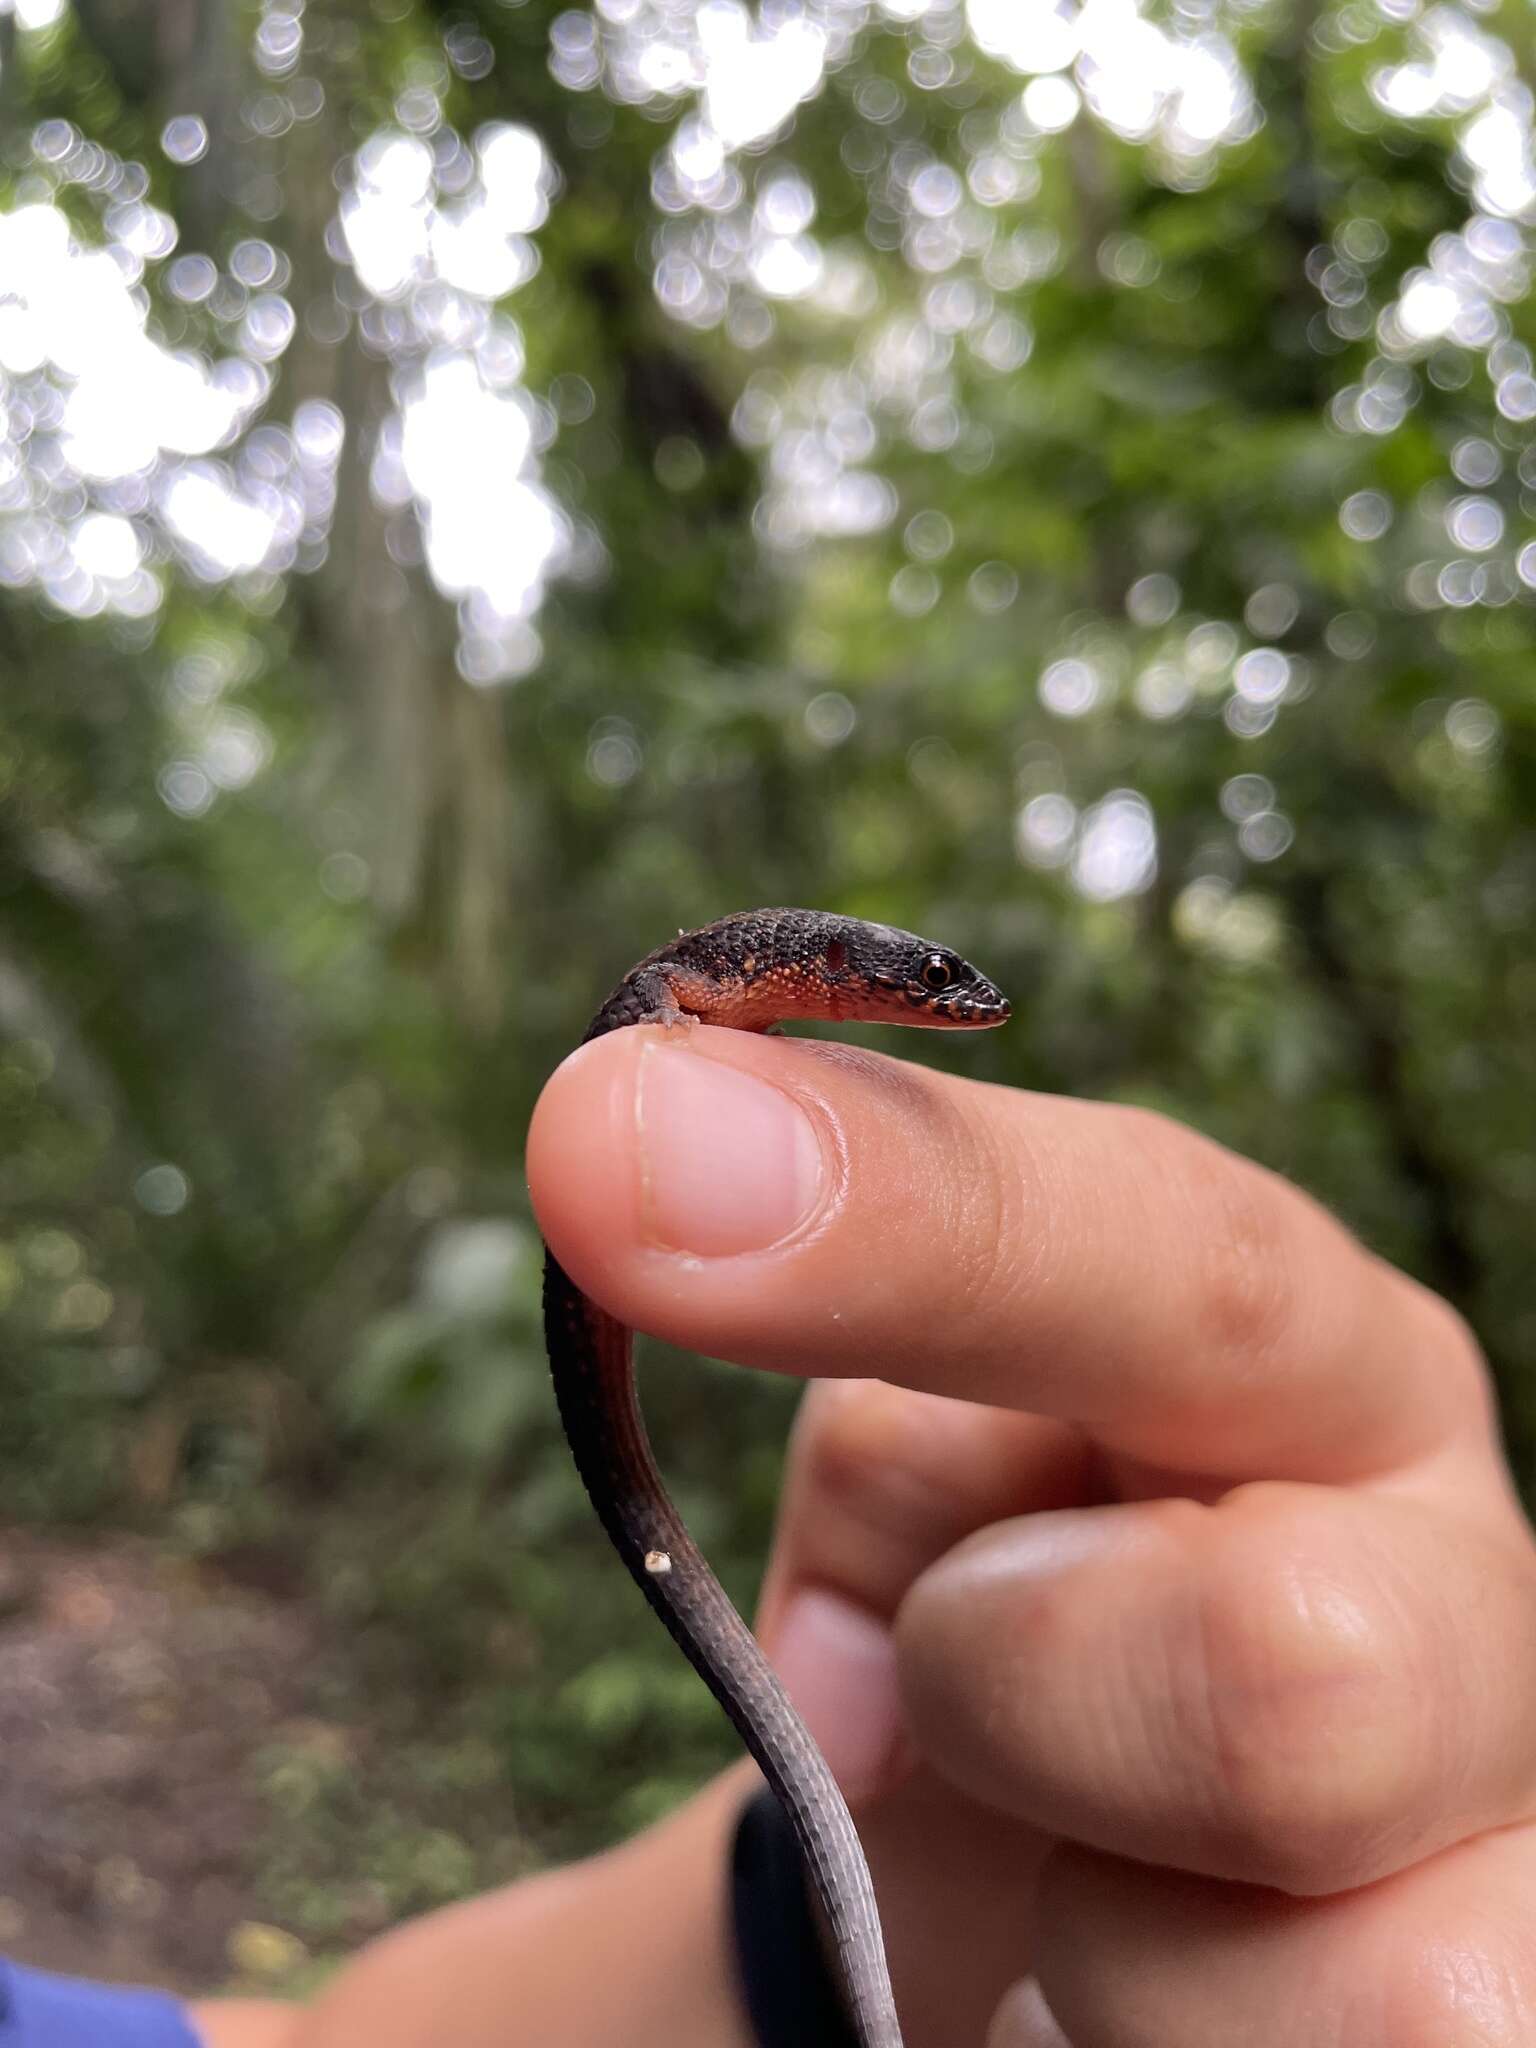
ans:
(1315, 1763)
(844, 1445)
(872, 1458)
(864, 1503)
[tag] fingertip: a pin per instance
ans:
(668, 1168)
(579, 1178)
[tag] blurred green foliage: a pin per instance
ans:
(1133, 589)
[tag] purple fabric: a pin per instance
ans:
(40, 2010)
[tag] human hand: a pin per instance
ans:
(1170, 1620)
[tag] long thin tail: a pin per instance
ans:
(595, 1388)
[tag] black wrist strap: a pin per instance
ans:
(786, 1984)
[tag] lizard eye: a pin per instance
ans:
(936, 972)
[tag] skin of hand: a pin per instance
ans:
(1167, 1614)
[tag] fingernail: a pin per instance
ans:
(727, 1163)
(838, 1664)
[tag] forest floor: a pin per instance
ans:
(138, 1692)
(234, 1745)
(209, 1783)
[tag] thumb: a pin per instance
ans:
(881, 1482)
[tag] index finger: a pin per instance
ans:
(826, 1211)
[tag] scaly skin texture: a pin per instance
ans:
(750, 971)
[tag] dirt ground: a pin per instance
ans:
(134, 1691)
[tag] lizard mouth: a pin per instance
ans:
(972, 1008)
(976, 1007)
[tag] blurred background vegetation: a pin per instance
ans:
(484, 484)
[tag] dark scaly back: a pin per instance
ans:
(763, 966)
(749, 971)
